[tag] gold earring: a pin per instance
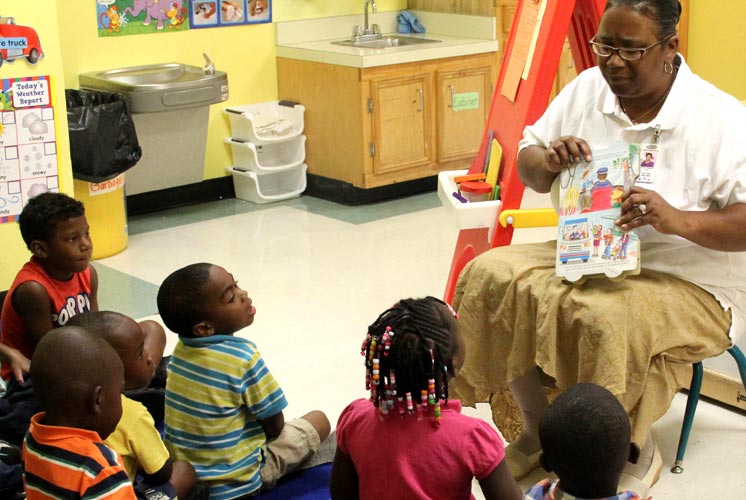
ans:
(667, 67)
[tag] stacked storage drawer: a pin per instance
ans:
(269, 151)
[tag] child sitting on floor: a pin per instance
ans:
(223, 406)
(58, 281)
(408, 440)
(136, 439)
(585, 440)
(78, 378)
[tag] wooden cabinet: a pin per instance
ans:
(464, 97)
(372, 127)
(402, 132)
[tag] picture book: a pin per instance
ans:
(589, 244)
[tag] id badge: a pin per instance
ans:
(648, 158)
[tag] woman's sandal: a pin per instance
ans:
(519, 464)
(642, 486)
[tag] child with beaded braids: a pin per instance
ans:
(407, 440)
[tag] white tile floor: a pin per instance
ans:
(317, 282)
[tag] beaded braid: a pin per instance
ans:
(407, 353)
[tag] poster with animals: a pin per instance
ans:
(28, 145)
(137, 17)
(589, 244)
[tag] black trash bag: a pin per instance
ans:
(103, 141)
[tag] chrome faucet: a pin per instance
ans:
(209, 68)
(366, 29)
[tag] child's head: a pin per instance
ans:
(128, 340)
(585, 440)
(203, 299)
(78, 379)
(55, 229)
(410, 352)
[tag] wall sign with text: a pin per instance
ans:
(28, 145)
(18, 41)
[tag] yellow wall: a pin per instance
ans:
(717, 43)
(246, 53)
(40, 15)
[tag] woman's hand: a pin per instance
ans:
(566, 151)
(642, 207)
(538, 166)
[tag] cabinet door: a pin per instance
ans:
(402, 123)
(463, 104)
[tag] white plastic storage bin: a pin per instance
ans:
(266, 122)
(465, 215)
(268, 187)
(264, 158)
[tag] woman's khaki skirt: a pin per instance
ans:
(637, 337)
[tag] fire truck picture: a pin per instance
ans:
(18, 41)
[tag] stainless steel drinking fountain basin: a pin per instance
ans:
(384, 41)
(170, 105)
(161, 87)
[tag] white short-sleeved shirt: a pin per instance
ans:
(700, 165)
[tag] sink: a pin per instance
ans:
(384, 41)
(161, 87)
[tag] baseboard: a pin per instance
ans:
(725, 389)
(189, 194)
(347, 194)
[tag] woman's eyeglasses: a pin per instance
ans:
(627, 54)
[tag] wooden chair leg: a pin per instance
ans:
(691, 408)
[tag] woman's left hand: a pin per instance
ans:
(643, 207)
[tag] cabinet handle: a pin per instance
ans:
(450, 91)
(421, 100)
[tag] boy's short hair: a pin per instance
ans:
(68, 363)
(585, 436)
(98, 322)
(43, 212)
(181, 298)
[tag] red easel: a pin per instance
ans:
(575, 19)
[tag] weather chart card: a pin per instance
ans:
(28, 147)
(589, 244)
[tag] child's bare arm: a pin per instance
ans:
(273, 425)
(31, 301)
(19, 363)
(94, 288)
(159, 476)
(344, 481)
(499, 485)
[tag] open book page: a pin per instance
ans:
(589, 244)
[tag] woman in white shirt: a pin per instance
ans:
(636, 337)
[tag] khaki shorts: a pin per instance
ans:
(295, 444)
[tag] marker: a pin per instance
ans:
(459, 197)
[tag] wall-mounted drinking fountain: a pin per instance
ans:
(170, 107)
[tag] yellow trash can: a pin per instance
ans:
(106, 212)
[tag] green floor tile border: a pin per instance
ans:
(361, 214)
(124, 293)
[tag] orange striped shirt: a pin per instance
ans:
(68, 463)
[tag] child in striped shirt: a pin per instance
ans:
(223, 406)
(78, 379)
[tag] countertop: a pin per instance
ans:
(458, 35)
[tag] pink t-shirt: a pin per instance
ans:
(410, 458)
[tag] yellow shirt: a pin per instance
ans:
(137, 440)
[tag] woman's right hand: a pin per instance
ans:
(566, 151)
